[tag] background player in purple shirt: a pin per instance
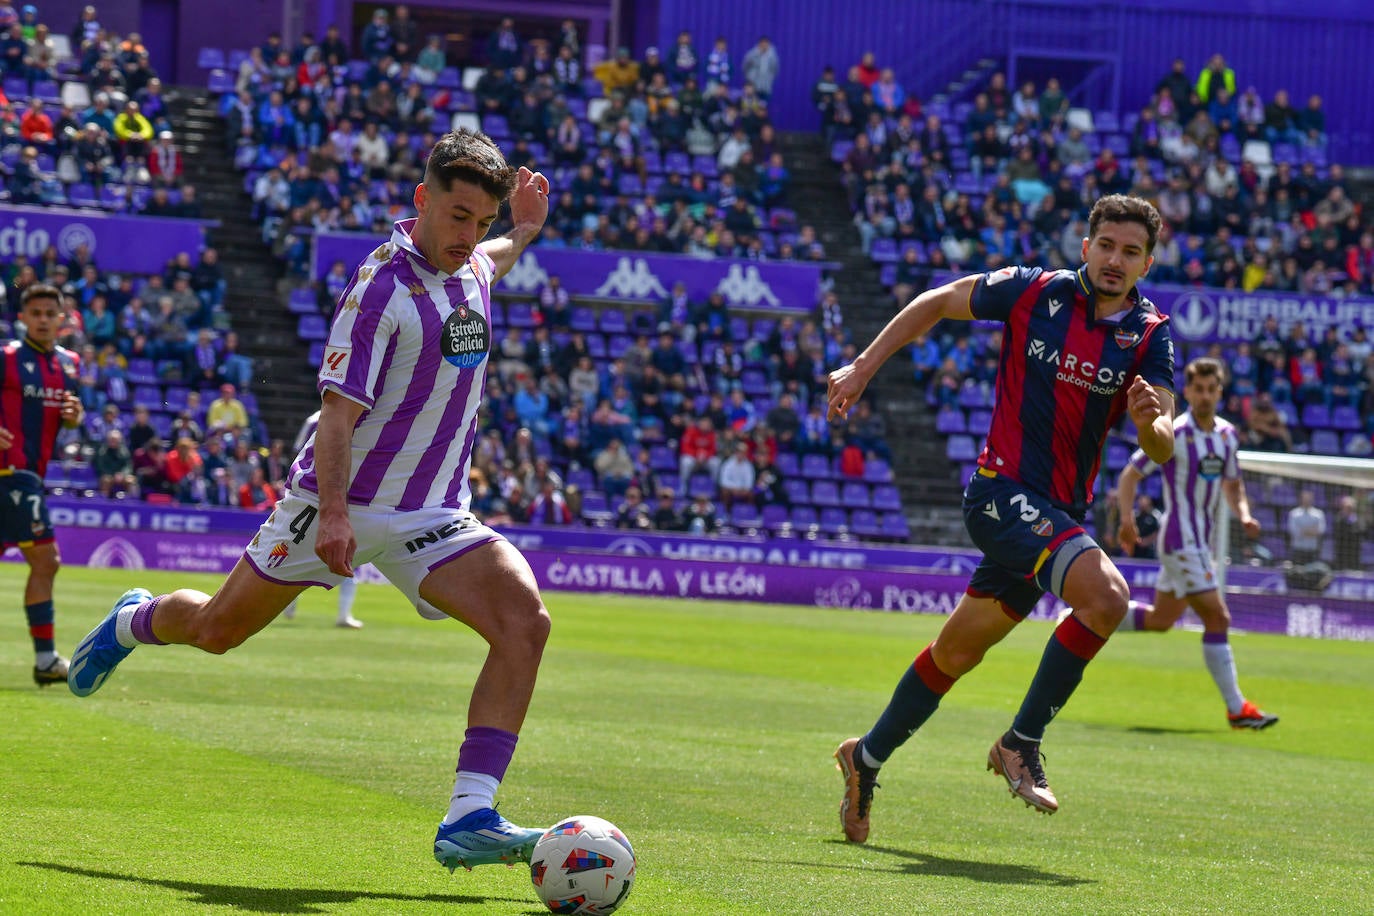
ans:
(1079, 349)
(1202, 468)
(38, 382)
(384, 480)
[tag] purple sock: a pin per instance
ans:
(1138, 615)
(142, 622)
(487, 751)
(1209, 638)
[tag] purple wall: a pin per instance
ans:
(1314, 47)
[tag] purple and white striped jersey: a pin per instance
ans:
(410, 344)
(1192, 481)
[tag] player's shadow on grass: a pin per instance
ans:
(924, 863)
(276, 899)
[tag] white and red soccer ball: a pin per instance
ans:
(583, 864)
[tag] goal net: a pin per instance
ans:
(1317, 517)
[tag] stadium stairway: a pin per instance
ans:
(283, 383)
(929, 484)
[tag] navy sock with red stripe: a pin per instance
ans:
(40, 625)
(917, 696)
(1070, 649)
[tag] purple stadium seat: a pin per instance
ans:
(583, 318)
(816, 467)
(701, 485)
(316, 353)
(974, 395)
(855, 495)
(894, 526)
(804, 518)
(864, 523)
(979, 422)
(834, 521)
(797, 491)
(613, 322)
(775, 517)
(302, 301)
(175, 398)
(210, 59)
(1118, 453)
(661, 458)
(1357, 445)
(1325, 442)
(754, 383)
(825, 493)
(887, 275)
(82, 195)
(220, 81)
(595, 510)
(1345, 417)
(883, 251)
(497, 315)
(596, 346)
(787, 464)
(520, 315)
(142, 372)
(950, 420)
(149, 396)
(886, 498)
(877, 470)
(744, 516)
(448, 78)
(1316, 416)
(312, 327)
(617, 344)
(961, 448)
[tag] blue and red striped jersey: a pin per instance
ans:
(1063, 376)
(33, 382)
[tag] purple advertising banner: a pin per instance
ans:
(892, 590)
(239, 524)
(629, 275)
(135, 244)
(1204, 315)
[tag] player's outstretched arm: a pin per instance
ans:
(529, 208)
(847, 383)
(334, 540)
(1152, 412)
(1126, 484)
(1234, 489)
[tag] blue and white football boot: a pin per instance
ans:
(101, 651)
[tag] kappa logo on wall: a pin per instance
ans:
(632, 279)
(526, 276)
(744, 286)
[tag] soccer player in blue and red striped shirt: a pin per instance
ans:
(38, 384)
(1080, 348)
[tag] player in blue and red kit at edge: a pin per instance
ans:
(38, 383)
(1079, 349)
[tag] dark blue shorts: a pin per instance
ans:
(1028, 542)
(23, 510)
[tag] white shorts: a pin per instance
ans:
(404, 546)
(1186, 572)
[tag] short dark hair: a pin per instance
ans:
(471, 156)
(1205, 367)
(1120, 208)
(40, 291)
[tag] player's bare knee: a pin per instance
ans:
(44, 566)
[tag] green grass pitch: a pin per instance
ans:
(305, 772)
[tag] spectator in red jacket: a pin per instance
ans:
(164, 161)
(35, 126)
(698, 450)
(257, 493)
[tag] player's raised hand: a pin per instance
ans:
(1251, 526)
(843, 389)
(1142, 401)
(335, 543)
(72, 410)
(529, 203)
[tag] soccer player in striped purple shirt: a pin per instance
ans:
(1201, 470)
(384, 479)
(1080, 348)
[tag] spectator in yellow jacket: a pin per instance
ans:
(133, 131)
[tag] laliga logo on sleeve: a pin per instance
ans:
(466, 338)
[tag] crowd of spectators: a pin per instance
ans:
(165, 387)
(675, 424)
(669, 153)
(1248, 199)
(84, 120)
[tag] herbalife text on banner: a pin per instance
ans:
(627, 275)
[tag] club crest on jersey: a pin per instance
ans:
(465, 339)
(277, 555)
(1044, 527)
(1126, 339)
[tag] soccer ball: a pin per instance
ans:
(583, 864)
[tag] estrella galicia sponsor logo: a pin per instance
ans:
(526, 276)
(1194, 315)
(72, 237)
(632, 279)
(744, 286)
(466, 338)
